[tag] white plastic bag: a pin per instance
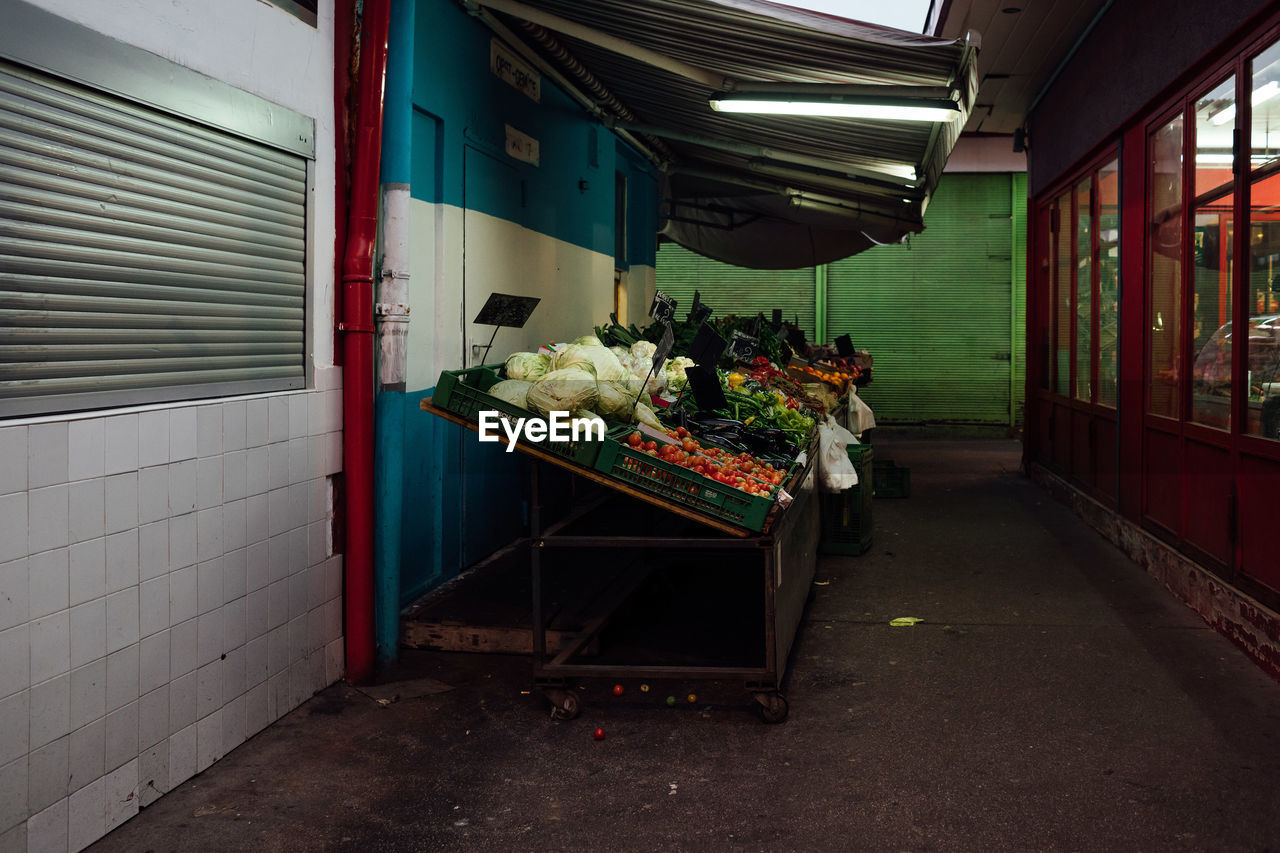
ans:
(835, 472)
(859, 414)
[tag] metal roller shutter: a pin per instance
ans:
(735, 290)
(142, 257)
(936, 313)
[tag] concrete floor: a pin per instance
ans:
(1053, 698)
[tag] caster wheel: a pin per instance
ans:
(773, 707)
(565, 704)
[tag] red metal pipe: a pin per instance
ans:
(357, 332)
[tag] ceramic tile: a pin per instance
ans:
(48, 769)
(208, 741)
(209, 534)
(256, 510)
(235, 565)
(121, 444)
(15, 666)
(153, 494)
(278, 604)
(13, 528)
(233, 674)
(299, 460)
(255, 613)
(153, 606)
(209, 684)
(256, 432)
(153, 438)
(122, 619)
(256, 710)
(233, 724)
(47, 525)
(153, 550)
(13, 792)
(88, 631)
(209, 594)
(182, 756)
(122, 678)
(47, 829)
(182, 541)
(13, 460)
(122, 560)
(257, 566)
(279, 556)
(121, 794)
(88, 693)
(233, 623)
(86, 446)
(183, 638)
(235, 475)
(88, 569)
(153, 718)
(256, 670)
(122, 736)
(209, 482)
(47, 452)
(50, 710)
(182, 487)
(278, 465)
(153, 773)
(50, 640)
(15, 719)
(86, 509)
(49, 582)
(279, 512)
(233, 426)
(209, 431)
(298, 415)
(122, 502)
(234, 525)
(183, 594)
(182, 433)
(182, 702)
(210, 637)
(87, 815)
(87, 755)
(258, 477)
(277, 419)
(153, 661)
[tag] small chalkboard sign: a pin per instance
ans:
(787, 354)
(776, 322)
(665, 343)
(743, 346)
(663, 308)
(700, 313)
(503, 309)
(844, 346)
(795, 337)
(707, 346)
(707, 392)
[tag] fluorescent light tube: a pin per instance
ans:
(836, 109)
(1260, 95)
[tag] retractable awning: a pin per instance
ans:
(762, 191)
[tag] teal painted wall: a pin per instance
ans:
(462, 499)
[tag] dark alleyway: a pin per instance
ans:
(1054, 698)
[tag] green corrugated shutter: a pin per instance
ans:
(1018, 272)
(735, 290)
(936, 314)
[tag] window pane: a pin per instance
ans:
(1266, 107)
(1263, 305)
(1165, 263)
(1108, 281)
(1062, 296)
(1084, 289)
(1210, 321)
(1215, 128)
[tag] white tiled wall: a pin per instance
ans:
(167, 589)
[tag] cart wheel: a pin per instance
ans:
(773, 707)
(565, 704)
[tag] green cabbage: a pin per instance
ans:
(589, 341)
(565, 390)
(529, 366)
(617, 401)
(644, 350)
(513, 391)
(645, 415)
(600, 360)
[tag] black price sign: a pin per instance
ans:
(776, 322)
(663, 308)
(844, 345)
(665, 344)
(707, 346)
(743, 346)
(795, 337)
(700, 314)
(503, 309)
(787, 353)
(707, 392)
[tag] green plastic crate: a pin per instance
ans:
(679, 485)
(890, 480)
(846, 516)
(462, 392)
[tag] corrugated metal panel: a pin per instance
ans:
(735, 290)
(1018, 272)
(142, 257)
(936, 314)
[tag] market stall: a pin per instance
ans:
(700, 423)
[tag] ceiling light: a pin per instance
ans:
(839, 106)
(1260, 95)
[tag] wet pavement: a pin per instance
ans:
(1054, 697)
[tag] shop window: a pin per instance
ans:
(1062, 294)
(1165, 268)
(1084, 289)
(1262, 292)
(1108, 262)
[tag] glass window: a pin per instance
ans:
(1265, 135)
(1165, 265)
(1108, 281)
(1211, 314)
(1215, 136)
(1062, 295)
(1084, 289)
(1263, 307)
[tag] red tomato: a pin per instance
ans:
(681, 432)
(689, 445)
(651, 445)
(635, 439)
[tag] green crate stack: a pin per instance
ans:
(462, 392)
(679, 485)
(846, 516)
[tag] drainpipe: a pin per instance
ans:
(357, 330)
(392, 310)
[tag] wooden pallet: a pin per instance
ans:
(489, 607)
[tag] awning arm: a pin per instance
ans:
(608, 42)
